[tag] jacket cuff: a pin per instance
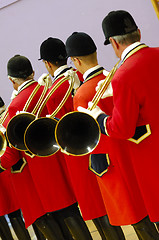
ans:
(102, 123)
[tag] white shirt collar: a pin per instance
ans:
(89, 71)
(23, 84)
(129, 48)
(60, 69)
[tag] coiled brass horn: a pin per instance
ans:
(3, 140)
(39, 136)
(17, 125)
(78, 133)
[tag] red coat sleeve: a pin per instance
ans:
(10, 157)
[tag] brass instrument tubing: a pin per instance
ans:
(101, 90)
(51, 92)
(41, 97)
(4, 116)
(31, 97)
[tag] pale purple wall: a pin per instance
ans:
(26, 23)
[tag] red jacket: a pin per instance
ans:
(135, 87)
(122, 197)
(45, 171)
(8, 199)
(84, 181)
(22, 183)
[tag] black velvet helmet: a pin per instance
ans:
(19, 67)
(80, 44)
(117, 23)
(52, 49)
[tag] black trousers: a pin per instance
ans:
(54, 225)
(5, 232)
(146, 230)
(18, 225)
(106, 230)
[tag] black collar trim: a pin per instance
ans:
(27, 85)
(132, 51)
(94, 73)
(61, 73)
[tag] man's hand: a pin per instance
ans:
(14, 94)
(108, 92)
(94, 113)
(74, 75)
(44, 78)
(2, 129)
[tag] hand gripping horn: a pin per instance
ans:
(39, 136)
(78, 133)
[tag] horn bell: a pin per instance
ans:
(40, 137)
(16, 129)
(77, 133)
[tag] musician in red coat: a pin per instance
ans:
(9, 202)
(133, 122)
(53, 53)
(23, 185)
(84, 181)
(50, 171)
(102, 161)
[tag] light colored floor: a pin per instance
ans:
(128, 231)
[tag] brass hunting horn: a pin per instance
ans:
(17, 125)
(78, 133)
(39, 136)
(3, 140)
